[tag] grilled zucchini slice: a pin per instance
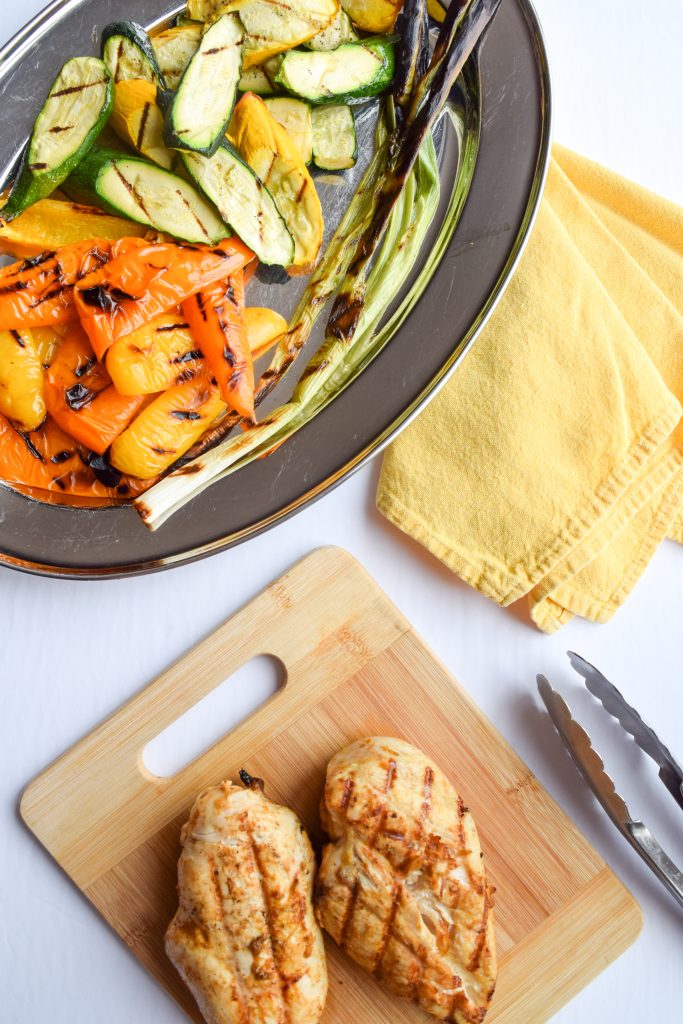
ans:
(353, 71)
(256, 80)
(138, 121)
(135, 188)
(243, 202)
(127, 51)
(340, 31)
(270, 152)
(295, 118)
(75, 112)
(174, 49)
(273, 27)
(334, 137)
(201, 110)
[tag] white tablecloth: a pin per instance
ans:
(72, 652)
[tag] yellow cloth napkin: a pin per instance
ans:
(551, 464)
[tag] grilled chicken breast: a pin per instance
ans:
(402, 887)
(244, 938)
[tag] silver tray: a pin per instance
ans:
(493, 160)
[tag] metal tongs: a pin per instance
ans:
(590, 764)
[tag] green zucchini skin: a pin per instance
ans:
(192, 123)
(335, 146)
(34, 183)
(87, 184)
(250, 211)
(134, 35)
(299, 69)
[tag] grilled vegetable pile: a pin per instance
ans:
(117, 356)
(178, 163)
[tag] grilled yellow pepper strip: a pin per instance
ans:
(167, 428)
(164, 353)
(21, 380)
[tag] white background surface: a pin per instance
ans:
(72, 652)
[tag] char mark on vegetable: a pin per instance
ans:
(31, 446)
(78, 88)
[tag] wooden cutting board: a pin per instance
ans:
(354, 667)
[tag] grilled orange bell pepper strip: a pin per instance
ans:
(51, 461)
(80, 396)
(146, 281)
(249, 271)
(38, 292)
(216, 319)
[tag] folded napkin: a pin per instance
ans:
(551, 464)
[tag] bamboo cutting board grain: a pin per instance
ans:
(354, 667)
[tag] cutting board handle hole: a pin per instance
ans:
(207, 721)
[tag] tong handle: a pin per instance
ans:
(645, 844)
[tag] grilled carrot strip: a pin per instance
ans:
(148, 280)
(39, 292)
(216, 319)
(52, 462)
(80, 397)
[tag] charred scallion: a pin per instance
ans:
(459, 34)
(412, 58)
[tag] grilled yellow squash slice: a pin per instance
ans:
(167, 427)
(21, 380)
(272, 26)
(207, 10)
(174, 48)
(138, 120)
(271, 153)
(295, 117)
(373, 15)
(51, 223)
